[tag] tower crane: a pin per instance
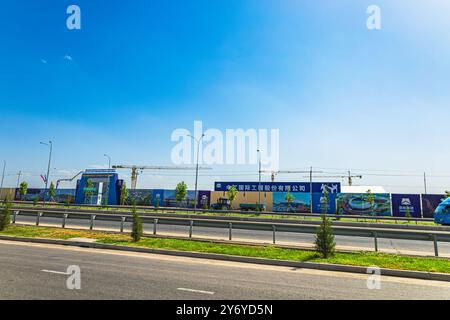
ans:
(275, 173)
(135, 169)
(350, 177)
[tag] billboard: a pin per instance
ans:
(404, 203)
(319, 203)
(301, 203)
(143, 197)
(358, 204)
(430, 203)
(317, 187)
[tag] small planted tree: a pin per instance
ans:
(137, 229)
(371, 199)
(88, 191)
(205, 202)
(23, 189)
(181, 192)
(289, 198)
(157, 201)
(5, 216)
(325, 243)
(124, 194)
(408, 213)
(325, 201)
(52, 191)
(447, 194)
(232, 193)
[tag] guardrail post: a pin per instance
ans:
(122, 222)
(14, 216)
(230, 231)
(274, 231)
(155, 222)
(63, 225)
(38, 217)
(436, 251)
(91, 227)
(191, 224)
(375, 239)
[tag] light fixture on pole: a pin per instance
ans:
(196, 168)
(109, 160)
(50, 145)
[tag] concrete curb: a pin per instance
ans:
(214, 256)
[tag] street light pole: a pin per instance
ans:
(3, 175)
(196, 168)
(109, 160)
(259, 178)
(18, 178)
(49, 144)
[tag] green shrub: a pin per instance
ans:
(5, 216)
(325, 244)
(138, 228)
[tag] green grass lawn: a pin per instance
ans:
(270, 252)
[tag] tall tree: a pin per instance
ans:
(52, 191)
(23, 189)
(88, 191)
(124, 194)
(232, 193)
(371, 199)
(325, 201)
(181, 191)
(289, 198)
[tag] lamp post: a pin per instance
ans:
(3, 175)
(196, 168)
(259, 178)
(50, 145)
(109, 160)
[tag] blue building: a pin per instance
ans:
(106, 187)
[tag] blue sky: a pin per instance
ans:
(342, 96)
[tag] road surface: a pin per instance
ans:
(36, 271)
(424, 248)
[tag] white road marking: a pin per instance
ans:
(196, 291)
(56, 272)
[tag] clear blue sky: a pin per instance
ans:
(342, 96)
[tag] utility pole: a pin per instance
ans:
(350, 179)
(259, 178)
(196, 167)
(3, 175)
(18, 178)
(50, 145)
(425, 181)
(311, 188)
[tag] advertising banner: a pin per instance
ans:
(143, 197)
(402, 204)
(320, 203)
(429, 203)
(318, 187)
(301, 202)
(360, 204)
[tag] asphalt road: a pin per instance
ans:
(36, 271)
(424, 248)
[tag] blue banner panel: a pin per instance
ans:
(318, 187)
(358, 204)
(404, 203)
(301, 203)
(320, 203)
(429, 203)
(143, 197)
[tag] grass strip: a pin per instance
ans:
(364, 259)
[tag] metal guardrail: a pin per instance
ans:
(243, 225)
(225, 212)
